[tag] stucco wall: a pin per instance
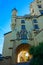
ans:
(7, 44)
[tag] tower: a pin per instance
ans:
(36, 7)
(13, 19)
(19, 38)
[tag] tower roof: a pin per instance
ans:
(14, 9)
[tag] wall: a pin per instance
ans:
(7, 45)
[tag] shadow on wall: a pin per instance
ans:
(5, 60)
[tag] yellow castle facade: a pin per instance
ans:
(25, 31)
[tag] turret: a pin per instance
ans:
(13, 19)
(14, 12)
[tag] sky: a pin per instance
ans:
(6, 6)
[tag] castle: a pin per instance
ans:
(25, 31)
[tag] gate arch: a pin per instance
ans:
(22, 53)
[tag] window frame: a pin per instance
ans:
(23, 27)
(23, 37)
(35, 21)
(39, 6)
(41, 12)
(22, 21)
(36, 26)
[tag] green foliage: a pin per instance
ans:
(37, 53)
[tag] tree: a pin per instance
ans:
(37, 53)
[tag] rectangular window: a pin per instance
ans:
(39, 6)
(23, 36)
(22, 26)
(36, 27)
(35, 21)
(41, 11)
(22, 21)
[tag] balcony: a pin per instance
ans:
(22, 35)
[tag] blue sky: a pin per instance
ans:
(6, 6)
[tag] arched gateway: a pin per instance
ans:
(22, 53)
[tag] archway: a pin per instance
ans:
(23, 54)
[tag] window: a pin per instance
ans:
(38, 1)
(35, 21)
(41, 11)
(22, 21)
(23, 27)
(23, 36)
(39, 6)
(36, 27)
